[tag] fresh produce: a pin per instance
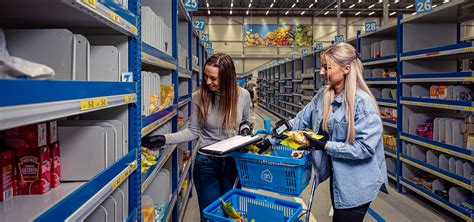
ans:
(288, 35)
(229, 210)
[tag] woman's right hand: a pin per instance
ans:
(153, 142)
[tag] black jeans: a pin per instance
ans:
(355, 214)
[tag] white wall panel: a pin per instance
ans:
(226, 32)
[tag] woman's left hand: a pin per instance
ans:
(314, 144)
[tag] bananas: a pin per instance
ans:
(229, 210)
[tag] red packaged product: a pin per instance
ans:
(55, 165)
(6, 178)
(31, 136)
(33, 169)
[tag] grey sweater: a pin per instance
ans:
(212, 131)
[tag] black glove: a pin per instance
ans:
(245, 128)
(153, 142)
(314, 144)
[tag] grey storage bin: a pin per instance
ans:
(82, 62)
(375, 50)
(55, 48)
(388, 47)
(377, 73)
(99, 215)
(366, 52)
(105, 64)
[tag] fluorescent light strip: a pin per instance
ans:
(310, 6)
(335, 6)
(360, 1)
(414, 13)
(340, 13)
(409, 6)
(266, 13)
(286, 13)
(396, 1)
(208, 12)
(434, 6)
(294, 4)
(231, 12)
(250, 4)
(371, 13)
(231, 4)
(271, 6)
(445, 1)
(357, 13)
(380, 1)
(352, 6)
(302, 13)
(247, 12)
(327, 12)
(207, 4)
(371, 6)
(393, 13)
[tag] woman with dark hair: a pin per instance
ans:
(218, 108)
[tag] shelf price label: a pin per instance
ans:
(338, 38)
(199, 24)
(128, 98)
(191, 5)
(133, 29)
(93, 103)
(423, 6)
(114, 16)
(91, 3)
(124, 175)
(370, 26)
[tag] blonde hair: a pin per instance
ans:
(344, 54)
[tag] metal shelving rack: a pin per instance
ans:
(26, 101)
(456, 49)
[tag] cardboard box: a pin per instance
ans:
(30, 136)
(6, 177)
(463, 128)
(55, 164)
(33, 169)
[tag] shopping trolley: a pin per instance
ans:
(278, 173)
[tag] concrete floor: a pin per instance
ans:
(391, 207)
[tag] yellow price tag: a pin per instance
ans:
(91, 3)
(93, 103)
(469, 49)
(133, 29)
(114, 16)
(145, 56)
(469, 79)
(128, 98)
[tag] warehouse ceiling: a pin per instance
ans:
(305, 7)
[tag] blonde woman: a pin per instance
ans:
(346, 112)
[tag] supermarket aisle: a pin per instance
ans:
(390, 207)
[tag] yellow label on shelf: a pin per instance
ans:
(114, 16)
(469, 49)
(124, 175)
(133, 29)
(94, 103)
(145, 56)
(469, 79)
(128, 98)
(91, 3)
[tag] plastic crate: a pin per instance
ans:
(278, 172)
(254, 206)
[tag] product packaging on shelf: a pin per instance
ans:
(6, 177)
(33, 170)
(55, 164)
(30, 136)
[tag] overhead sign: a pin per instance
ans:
(338, 38)
(199, 24)
(191, 5)
(208, 45)
(370, 26)
(318, 46)
(204, 37)
(304, 52)
(423, 6)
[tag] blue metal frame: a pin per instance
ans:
(438, 144)
(437, 49)
(150, 50)
(379, 59)
(399, 94)
(466, 74)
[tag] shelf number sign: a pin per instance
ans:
(370, 26)
(205, 37)
(304, 52)
(338, 38)
(318, 46)
(423, 6)
(208, 45)
(191, 5)
(128, 76)
(199, 24)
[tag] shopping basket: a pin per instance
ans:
(254, 206)
(279, 172)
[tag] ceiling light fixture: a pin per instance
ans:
(396, 1)
(310, 6)
(341, 12)
(286, 13)
(208, 12)
(352, 6)
(247, 12)
(393, 13)
(380, 1)
(302, 13)
(414, 13)
(207, 4)
(294, 4)
(360, 1)
(231, 12)
(231, 4)
(371, 13)
(409, 6)
(371, 6)
(266, 13)
(335, 6)
(250, 4)
(434, 6)
(327, 12)
(271, 6)
(357, 13)
(445, 1)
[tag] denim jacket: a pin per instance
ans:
(359, 169)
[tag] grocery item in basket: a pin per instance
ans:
(297, 154)
(229, 210)
(297, 139)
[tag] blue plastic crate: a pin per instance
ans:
(254, 206)
(278, 172)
